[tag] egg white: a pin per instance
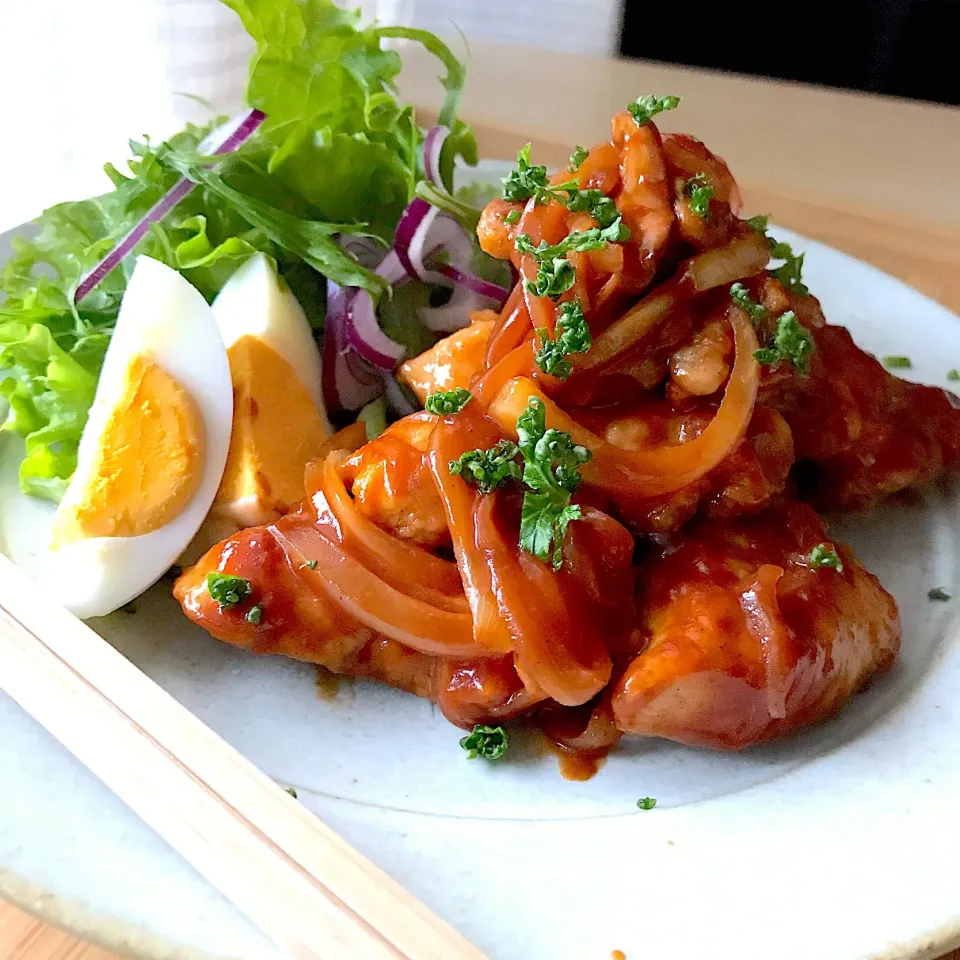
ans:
(165, 318)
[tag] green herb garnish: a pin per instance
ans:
(699, 192)
(646, 803)
(526, 181)
(551, 471)
(791, 342)
(447, 402)
(897, 363)
(597, 203)
(789, 274)
(644, 109)
(938, 593)
(953, 374)
(576, 158)
(292, 792)
(572, 336)
(555, 274)
(823, 556)
(254, 615)
(554, 278)
(530, 181)
(758, 223)
(311, 564)
(490, 743)
(227, 590)
(488, 469)
(741, 297)
(513, 217)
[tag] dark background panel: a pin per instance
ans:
(907, 48)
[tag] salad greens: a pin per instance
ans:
(337, 152)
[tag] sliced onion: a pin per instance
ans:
(483, 288)
(363, 329)
(418, 216)
(364, 250)
(455, 313)
(349, 382)
(397, 400)
(224, 139)
(432, 148)
(391, 269)
(365, 336)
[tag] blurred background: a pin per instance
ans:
(78, 79)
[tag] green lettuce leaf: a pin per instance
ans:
(49, 392)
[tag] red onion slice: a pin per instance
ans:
(424, 231)
(349, 382)
(397, 400)
(432, 148)
(454, 314)
(367, 253)
(363, 329)
(224, 139)
(484, 288)
(365, 336)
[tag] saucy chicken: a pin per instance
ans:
(605, 518)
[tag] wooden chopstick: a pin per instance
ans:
(292, 876)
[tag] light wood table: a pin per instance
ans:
(872, 176)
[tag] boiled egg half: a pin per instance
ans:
(279, 420)
(151, 457)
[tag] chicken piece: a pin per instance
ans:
(752, 477)
(392, 485)
(297, 620)
(450, 363)
(745, 639)
(864, 433)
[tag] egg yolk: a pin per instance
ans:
(148, 463)
(276, 430)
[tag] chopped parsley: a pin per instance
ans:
(822, 556)
(551, 471)
(292, 792)
(897, 363)
(572, 336)
(228, 590)
(789, 274)
(555, 274)
(447, 402)
(647, 803)
(311, 564)
(554, 278)
(488, 469)
(529, 181)
(699, 192)
(758, 223)
(512, 217)
(953, 374)
(644, 109)
(490, 743)
(597, 203)
(526, 181)
(254, 615)
(576, 158)
(938, 593)
(791, 342)
(741, 297)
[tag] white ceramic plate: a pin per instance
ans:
(837, 844)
